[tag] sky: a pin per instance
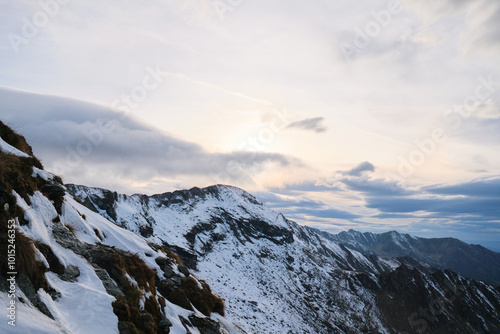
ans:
(371, 115)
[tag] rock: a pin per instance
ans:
(26, 286)
(183, 270)
(163, 261)
(186, 324)
(70, 274)
(125, 327)
(67, 240)
(165, 265)
(168, 272)
(53, 189)
(174, 280)
(4, 286)
(146, 231)
(108, 282)
(164, 325)
(204, 324)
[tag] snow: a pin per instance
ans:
(40, 258)
(174, 221)
(42, 173)
(113, 235)
(40, 215)
(172, 312)
(9, 149)
(29, 320)
(84, 306)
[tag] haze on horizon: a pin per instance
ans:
(372, 115)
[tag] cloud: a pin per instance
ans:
(352, 180)
(376, 187)
(465, 210)
(472, 201)
(310, 124)
(474, 209)
(276, 201)
(303, 207)
(306, 186)
(86, 142)
(360, 169)
(486, 109)
(482, 33)
(483, 187)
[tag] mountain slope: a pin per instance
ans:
(279, 277)
(472, 261)
(77, 272)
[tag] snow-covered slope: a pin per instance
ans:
(275, 275)
(78, 272)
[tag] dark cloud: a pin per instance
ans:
(79, 140)
(311, 124)
(483, 187)
(472, 202)
(465, 210)
(438, 207)
(360, 169)
(376, 187)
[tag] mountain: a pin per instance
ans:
(211, 260)
(472, 261)
(280, 277)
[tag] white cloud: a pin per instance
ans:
(487, 109)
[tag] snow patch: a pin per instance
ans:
(9, 149)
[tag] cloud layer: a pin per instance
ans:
(468, 210)
(86, 142)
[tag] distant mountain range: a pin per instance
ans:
(473, 261)
(216, 260)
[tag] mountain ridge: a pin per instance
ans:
(474, 261)
(218, 225)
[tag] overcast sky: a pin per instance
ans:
(373, 115)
